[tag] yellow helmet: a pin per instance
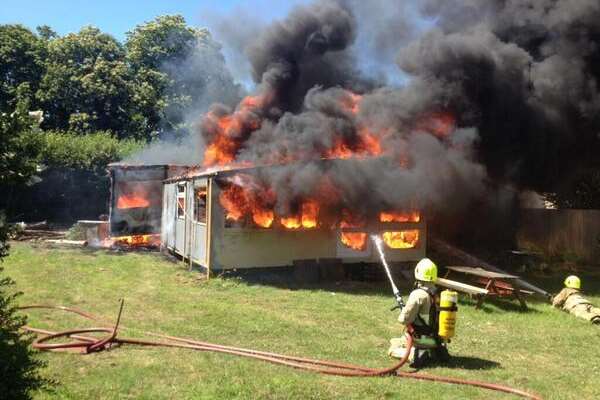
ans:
(426, 271)
(573, 282)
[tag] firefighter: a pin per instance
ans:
(571, 300)
(420, 312)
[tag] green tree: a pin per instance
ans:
(175, 66)
(91, 152)
(87, 84)
(22, 56)
(72, 182)
(19, 143)
(19, 367)
(46, 33)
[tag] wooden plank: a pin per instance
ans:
(461, 287)
(65, 242)
(478, 271)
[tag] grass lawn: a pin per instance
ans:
(542, 350)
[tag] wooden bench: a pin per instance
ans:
(502, 287)
(497, 284)
(473, 291)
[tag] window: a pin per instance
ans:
(181, 201)
(200, 204)
(402, 239)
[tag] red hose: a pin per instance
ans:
(89, 344)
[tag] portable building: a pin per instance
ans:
(136, 199)
(194, 225)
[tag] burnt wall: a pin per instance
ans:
(136, 199)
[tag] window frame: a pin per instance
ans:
(181, 198)
(195, 204)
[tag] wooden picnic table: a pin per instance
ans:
(497, 284)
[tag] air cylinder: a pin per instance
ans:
(447, 317)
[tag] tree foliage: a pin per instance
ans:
(87, 84)
(19, 144)
(174, 67)
(22, 56)
(72, 179)
(88, 81)
(100, 99)
(19, 365)
(89, 152)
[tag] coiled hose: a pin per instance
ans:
(87, 344)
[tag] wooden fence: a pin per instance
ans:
(561, 232)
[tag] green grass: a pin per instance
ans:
(542, 350)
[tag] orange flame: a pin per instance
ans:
(292, 222)
(440, 123)
(263, 218)
(152, 240)
(412, 216)
(229, 131)
(234, 202)
(310, 212)
(339, 150)
(308, 217)
(401, 239)
(365, 144)
(354, 240)
(239, 202)
(132, 201)
(370, 142)
(351, 102)
(220, 152)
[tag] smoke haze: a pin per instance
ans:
(486, 91)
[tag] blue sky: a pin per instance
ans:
(119, 16)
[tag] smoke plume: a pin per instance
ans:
(525, 73)
(401, 147)
(497, 91)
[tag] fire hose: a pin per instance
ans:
(87, 344)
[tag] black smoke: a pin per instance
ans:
(306, 49)
(520, 78)
(525, 74)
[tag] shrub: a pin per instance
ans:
(19, 365)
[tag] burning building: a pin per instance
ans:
(136, 202)
(317, 158)
(223, 219)
(320, 154)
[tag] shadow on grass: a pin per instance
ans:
(359, 279)
(470, 363)
(283, 278)
(508, 305)
(465, 363)
(377, 289)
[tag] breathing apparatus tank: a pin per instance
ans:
(447, 316)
